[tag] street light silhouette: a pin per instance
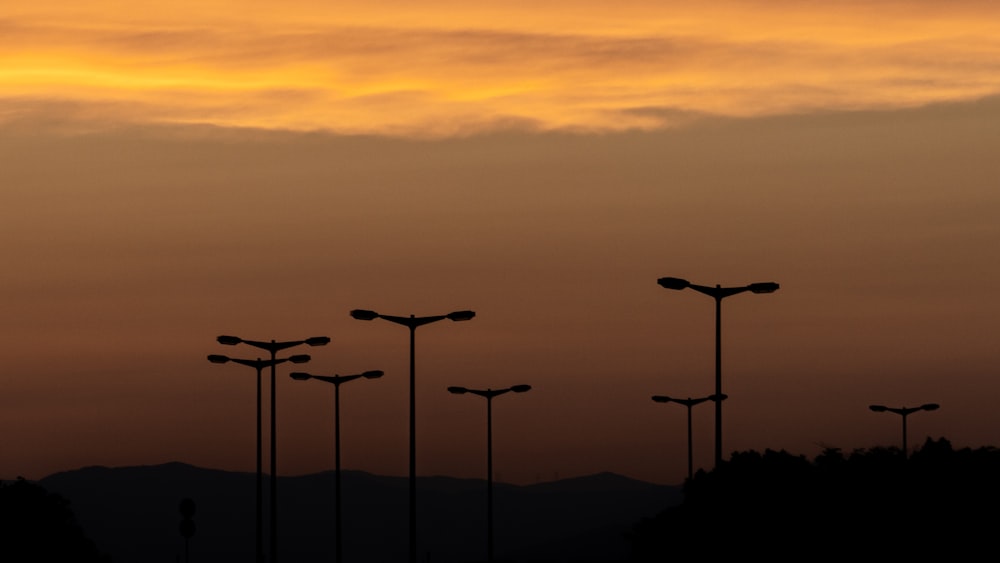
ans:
(274, 347)
(489, 394)
(905, 412)
(259, 365)
(412, 322)
(689, 402)
(718, 293)
(336, 380)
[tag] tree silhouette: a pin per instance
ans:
(36, 525)
(939, 503)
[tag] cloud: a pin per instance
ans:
(437, 72)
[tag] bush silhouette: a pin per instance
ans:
(36, 525)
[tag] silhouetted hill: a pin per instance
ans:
(609, 482)
(132, 513)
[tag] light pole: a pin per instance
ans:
(336, 380)
(689, 402)
(258, 365)
(904, 412)
(489, 394)
(274, 347)
(718, 293)
(412, 322)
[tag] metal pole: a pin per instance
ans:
(718, 378)
(489, 478)
(904, 434)
(413, 446)
(274, 462)
(336, 417)
(260, 471)
(689, 404)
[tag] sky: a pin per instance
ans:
(178, 171)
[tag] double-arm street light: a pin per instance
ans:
(412, 322)
(689, 402)
(489, 394)
(905, 412)
(274, 347)
(336, 380)
(718, 293)
(259, 365)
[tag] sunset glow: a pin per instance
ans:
(180, 170)
(439, 68)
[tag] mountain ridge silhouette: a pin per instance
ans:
(132, 514)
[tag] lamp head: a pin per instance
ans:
(229, 340)
(461, 315)
(520, 388)
(299, 358)
(218, 359)
(457, 390)
(662, 399)
(373, 374)
(300, 376)
(717, 398)
(673, 283)
(930, 407)
(318, 341)
(878, 408)
(364, 314)
(763, 287)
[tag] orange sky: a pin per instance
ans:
(441, 68)
(261, 169)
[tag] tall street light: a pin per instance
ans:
(336, 380)
(412, 322)
(689, 402)
(904, 412)
(489, 394)
(718, 293)
(258, 365)
(274, 347)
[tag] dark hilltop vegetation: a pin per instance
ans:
(938, 503)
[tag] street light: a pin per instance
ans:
(412, 322)
(718, 293)
(904, 412)
(274, 347)
(689, 402)
(489, 394)
(258, 365)
(336, 380)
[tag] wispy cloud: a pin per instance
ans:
(443, 68)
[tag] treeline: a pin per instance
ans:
(938, 503)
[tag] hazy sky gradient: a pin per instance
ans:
(177, 173)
